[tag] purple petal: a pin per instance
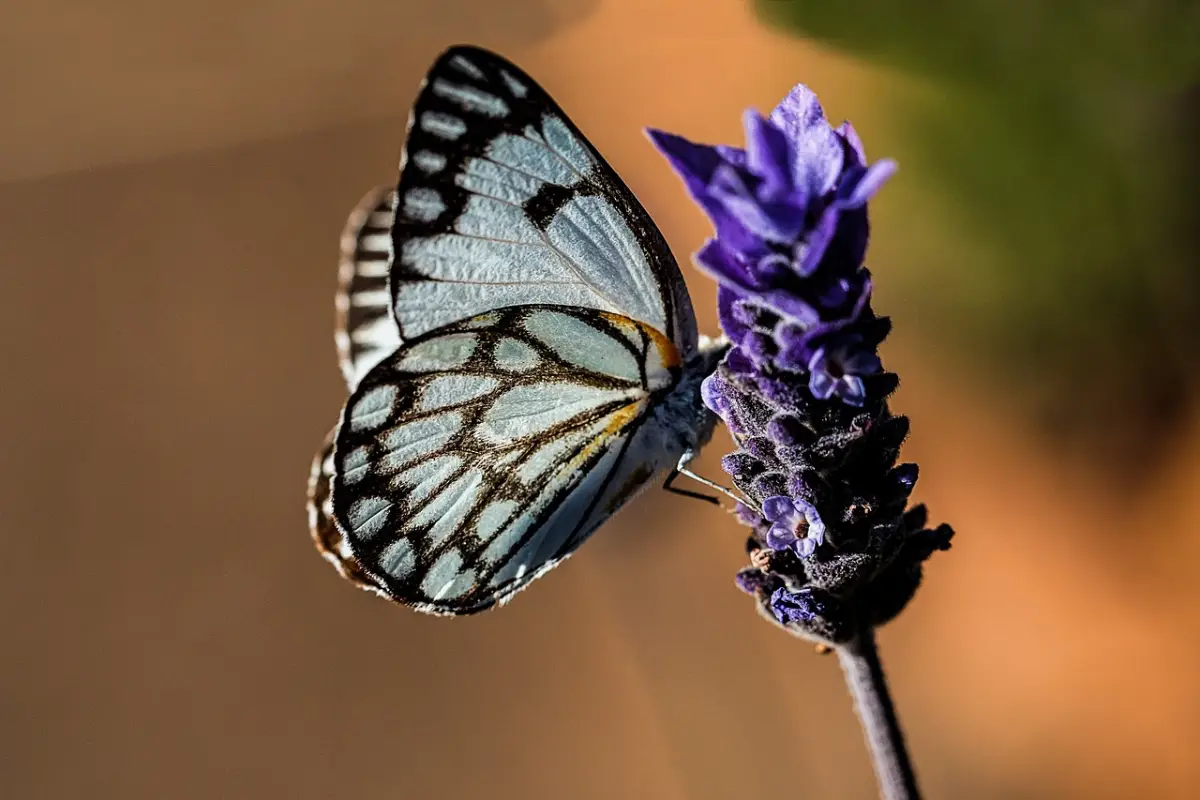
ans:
(791, 608)
(731, 314)
(816, 525)
(813, 248)
(787, 304)
(768, 155)
(737, 363)
(759, 347)
(847, 132)
(799, 113)
(778, 507)
(731, 196)
(734, 155)
(790, 334)
(821, 384)
(805, 547)
(863, 362)
(715, 394)
(719, 263)
(747, 515)
(780, 537)
(725, 267)
(850, 388)
(818, 149)
(695, 163)
(750, 580)
(867, 184)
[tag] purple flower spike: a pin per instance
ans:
(801, 389)
(796, 525)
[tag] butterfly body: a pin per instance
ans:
(532, 364)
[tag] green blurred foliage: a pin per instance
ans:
(1061, 136)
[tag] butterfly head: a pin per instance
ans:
(684, 413)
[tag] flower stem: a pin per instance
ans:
(865, 679)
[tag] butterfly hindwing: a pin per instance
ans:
(365, 331)
(477, 456)
(503, 202)
(326, 535)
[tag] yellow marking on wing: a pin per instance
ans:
(666, 348)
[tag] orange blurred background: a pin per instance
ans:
(173, 181)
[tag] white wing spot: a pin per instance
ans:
(492, 517)
(470, 98)
(423, 204)
(515, 356)
(506, 458)
(373, 408)
(501, 546)
(589, 230)
(546, 456)
(554, 451)
(398, 559)
(378, 298)
(488, 221)
(527, 410)
(560, 138)
(579, 343)
(439, 353)
(462, 494)
(426, 476)
(464, 64)
(515, 86)
(355, 466)
(368, 515)
(429, 161)
(532, 157)
(450, 390)
(444, 579)
(443, 125)
(418, 438)
(486, 177)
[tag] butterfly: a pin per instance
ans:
(519, 346)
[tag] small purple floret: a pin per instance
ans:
(796, 525)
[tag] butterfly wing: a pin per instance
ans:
(365, 332)
(326, 535)
(503, 202)
(478, 456)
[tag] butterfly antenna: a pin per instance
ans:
(681, 469)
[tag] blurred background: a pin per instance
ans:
(173, 181)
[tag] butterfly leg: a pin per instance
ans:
(681, 469)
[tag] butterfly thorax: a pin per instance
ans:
(682, 416)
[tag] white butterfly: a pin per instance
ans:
(519, 346)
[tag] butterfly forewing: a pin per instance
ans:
(477, 456)
(503, 202)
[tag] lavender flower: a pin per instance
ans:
(802, 389)
(797, 525)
